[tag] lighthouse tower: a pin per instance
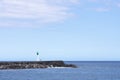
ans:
(38, 57)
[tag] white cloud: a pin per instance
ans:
(16, 24)
(42, 10)
(104, 5)
(66, 2)
(74, 1)
(47, 11)
(93, 0)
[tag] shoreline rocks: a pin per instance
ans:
(34, 64)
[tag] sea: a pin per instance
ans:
(87, 70)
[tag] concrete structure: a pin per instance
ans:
(33, 64)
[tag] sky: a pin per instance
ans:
(70, 30)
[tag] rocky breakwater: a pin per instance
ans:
(34, 64)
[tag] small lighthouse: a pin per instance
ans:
(38, 57)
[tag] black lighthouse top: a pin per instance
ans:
(37, 53)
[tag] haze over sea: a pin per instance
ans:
(88, 70)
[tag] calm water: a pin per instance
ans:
(86, 71)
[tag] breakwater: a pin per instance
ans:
(33, 64)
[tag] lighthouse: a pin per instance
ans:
(38, 57)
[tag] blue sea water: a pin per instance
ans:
(87, 70)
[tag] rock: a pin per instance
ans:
(71, 65)
(33, 64)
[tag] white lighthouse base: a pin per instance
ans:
(38, 58)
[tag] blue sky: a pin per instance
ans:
(60, 30)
